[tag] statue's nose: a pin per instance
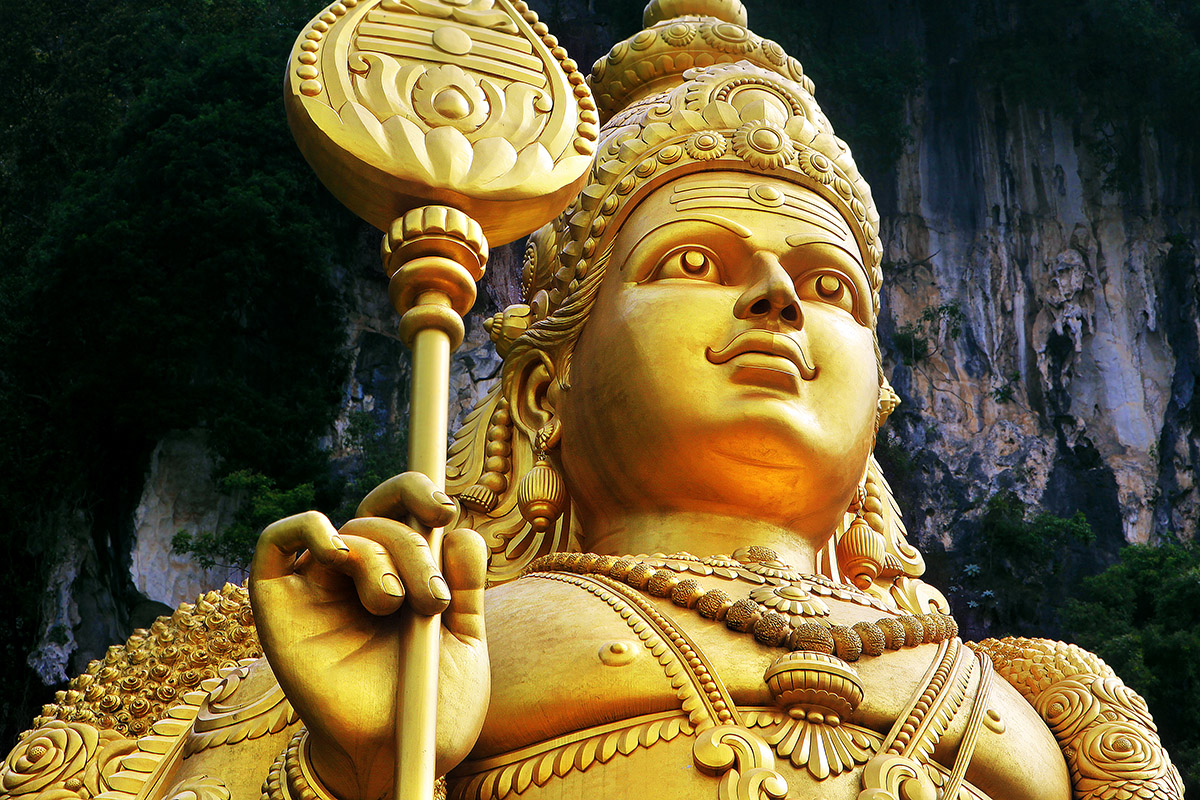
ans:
(771, 294)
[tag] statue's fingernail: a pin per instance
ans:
(339, 543)
(391, 585)
(438, 588)
(443, 498)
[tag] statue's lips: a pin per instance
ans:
(767, 343)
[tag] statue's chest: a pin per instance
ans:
(568, 655)
(585, 675)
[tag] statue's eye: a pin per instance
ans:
(689, 263)
(828, 287)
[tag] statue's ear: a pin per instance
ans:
(533, 393)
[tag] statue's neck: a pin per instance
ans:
(698, 533)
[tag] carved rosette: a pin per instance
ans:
(107, 732)
(62, 761)
(136, 682)
(468, 103)
(1103, 727)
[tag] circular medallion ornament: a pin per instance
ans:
(670, 154)
(764, 145)
(706, 145)
(642, 40)
(677, 34)
(766, 195)
(817, 166)
(729, 38)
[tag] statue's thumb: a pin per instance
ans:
(464, 563)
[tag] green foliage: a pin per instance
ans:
(380, 451)
(259, 503)
(167, 263)
(1018, 560)
(921, 339)
(1006, 391)
(1142, 616)
(863, 73)
(168, 258)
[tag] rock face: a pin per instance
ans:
(380, 371)
(179, 495)
(1071, 381)
(79, 615)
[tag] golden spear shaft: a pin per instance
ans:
(445, 145)
(420, 636)
(431, 291)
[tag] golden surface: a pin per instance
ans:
(402, 103)
(693, 373)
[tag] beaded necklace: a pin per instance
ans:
(776, 613)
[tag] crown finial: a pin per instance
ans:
(725, 10)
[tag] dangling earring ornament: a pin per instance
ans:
(541, 494)
(888, 402)
(861, 550)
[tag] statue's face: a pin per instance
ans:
(728, 364)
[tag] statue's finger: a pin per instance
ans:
(464, 561)
(376, 578)
(426, 591)
(278, 544)
(408, 493)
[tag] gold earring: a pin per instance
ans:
(861, 550)
(541, 494)
(888, 401)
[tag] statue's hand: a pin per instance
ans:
(327, 620)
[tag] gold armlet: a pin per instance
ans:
(1102, 726)
(293, 778)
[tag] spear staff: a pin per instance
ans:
(450, 125)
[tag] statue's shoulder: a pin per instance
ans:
(151, 717)
(1103, 727)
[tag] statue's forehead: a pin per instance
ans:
(796, 205)
(802, 214)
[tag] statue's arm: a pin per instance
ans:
(1110, 743)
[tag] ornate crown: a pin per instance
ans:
(695, 90)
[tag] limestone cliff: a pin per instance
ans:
(1071, 381)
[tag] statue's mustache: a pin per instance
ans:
(760, 341)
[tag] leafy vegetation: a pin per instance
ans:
(259, 502)
(1014, 583)
(1130, 66)
(1142, 616)
(380, 450)
(864, 74)
(167, 264)
(922, 338)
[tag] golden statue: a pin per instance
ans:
(697, 580)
